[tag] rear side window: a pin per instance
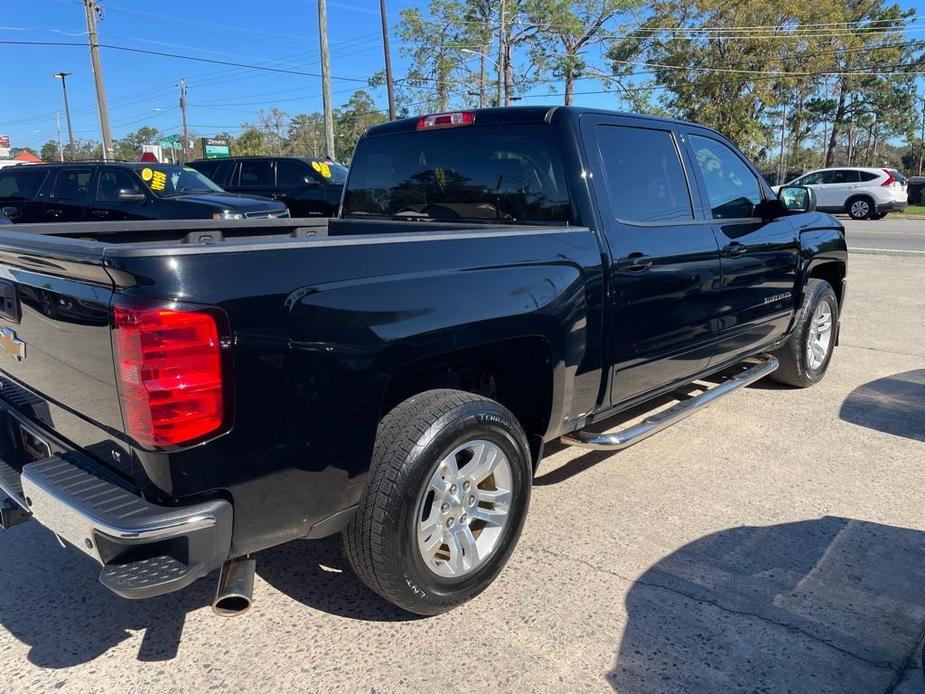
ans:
(21, 182)
(731, 186)
(898, 176)
(841, 176)
(73, 185)
(291, 173)
(868, 176)
(644, 175)
(258, 172)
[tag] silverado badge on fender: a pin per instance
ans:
(12, 345)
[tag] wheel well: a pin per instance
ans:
(517, 373)
(833, 273)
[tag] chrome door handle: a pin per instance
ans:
(734, 249)
(634, 262)
(53, 213)
(100, 213)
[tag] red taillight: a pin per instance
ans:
(889, 178)
(171, 373)
(446, 120)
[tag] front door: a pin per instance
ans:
(256, 177)
(298, 188)
(665, 273)
(107, 206)
(759, 247)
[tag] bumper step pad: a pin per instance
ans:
(148, 577)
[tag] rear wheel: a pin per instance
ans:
(806, 356)
(445, 501)
(861, 208)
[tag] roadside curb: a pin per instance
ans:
(886, 251)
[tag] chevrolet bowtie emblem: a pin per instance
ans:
(12, 345)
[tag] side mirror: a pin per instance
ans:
(797, 198)
(129, 195)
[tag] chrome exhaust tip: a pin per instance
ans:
(235, 591)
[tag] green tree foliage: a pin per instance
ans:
(49, 151)
(568, 28)
(128, 148)
(250, 143)
(353, 119)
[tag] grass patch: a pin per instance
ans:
(915, 209)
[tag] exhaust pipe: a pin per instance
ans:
(235, 590)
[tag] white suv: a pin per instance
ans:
(862, 193)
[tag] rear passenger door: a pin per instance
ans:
(837, 186)
(107, 206)
(665, 270)
(70, 195)
(759, 247)
(256, 177)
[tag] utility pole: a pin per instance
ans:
(388, 60)
(326, 79)
(781, 170)
(922, 144)
(58, 135)
(185, 145)
(67, 112)
(502, 73)
(93, 9)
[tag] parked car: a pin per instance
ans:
(863, 193)
(495, 280)
(308, 187)
(115, 191)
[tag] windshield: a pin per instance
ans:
(331, 172)
(472, 173)
(176, 180)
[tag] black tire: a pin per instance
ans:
(861, 207)
(879, 215)
(381, 542)
(794, 368)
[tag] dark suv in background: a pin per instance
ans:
(308, 187)
(75, 192)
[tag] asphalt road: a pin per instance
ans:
(775, 542)
(892, 234)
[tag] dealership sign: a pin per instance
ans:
(215, 148)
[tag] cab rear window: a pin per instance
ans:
(473, 173)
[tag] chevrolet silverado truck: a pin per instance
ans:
(178, 395)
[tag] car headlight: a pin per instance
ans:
(219, 216)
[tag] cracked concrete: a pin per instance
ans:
(773, 543)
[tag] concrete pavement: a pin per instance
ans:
(775, 542)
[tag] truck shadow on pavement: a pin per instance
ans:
(894, 405)
(52, 601)
(826, 605)
(316, 573)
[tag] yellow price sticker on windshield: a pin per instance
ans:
(158, 180)
(146, 174)
(322, 168)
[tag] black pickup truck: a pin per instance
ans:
(177, 396)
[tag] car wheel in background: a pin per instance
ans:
(860, 208)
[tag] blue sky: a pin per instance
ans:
(142, 89)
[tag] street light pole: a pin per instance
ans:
(67, 112)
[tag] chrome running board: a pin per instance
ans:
(627, 437)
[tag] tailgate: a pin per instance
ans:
(56, 365)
